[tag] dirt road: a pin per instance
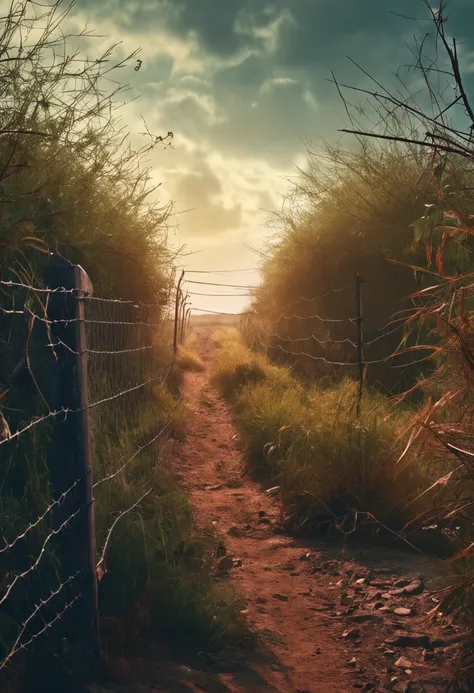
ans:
(331, 619)
(307, 654)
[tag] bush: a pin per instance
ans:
(236, 366)
(307, 440)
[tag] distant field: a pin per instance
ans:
(215, 319)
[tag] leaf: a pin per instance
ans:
(421, 227)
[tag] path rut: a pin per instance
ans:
(307, 654)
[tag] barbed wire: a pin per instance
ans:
(35, 564)
(17, 647)
(313, 337)
(232, 286)
(318, 298)
(39, 519)
(135, 454)
(308, 317)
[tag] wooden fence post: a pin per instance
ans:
(360, 342)
(70, 461)
(176, 313)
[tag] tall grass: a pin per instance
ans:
(330, 466)
(73, 182)
(349, 211)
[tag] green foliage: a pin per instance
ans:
(187, 358)
(329, 465)
(349, 212)
(158, 566)
(236, 366)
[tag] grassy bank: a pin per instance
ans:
(329, 466)
(159, 566)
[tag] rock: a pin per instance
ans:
(403, 663)
(261, 513)
(305, 556)
(264, 521)
(427, 656)
(233, 532)
(261, 600)
(346, 600)
(280, 597)
(415, 587)
(360, 581)
(379, 605)
(237, 562)
(402, 611)
(383, 584)
(364, 618)
(402, 582)
(353, 662)
(388, 653)
(399, 686)
(225, 564)
(386, 595)
(351, 634)
(409, 640)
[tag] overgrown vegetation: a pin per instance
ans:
(72, 183)
(331, 468)
(187, 358)
(402, 190)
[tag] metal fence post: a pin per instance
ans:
(70, 461)
(182, 331)
(176, 313)
(360, 342)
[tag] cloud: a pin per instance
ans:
(242, 83)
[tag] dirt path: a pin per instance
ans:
(275, 581)
(331, 619)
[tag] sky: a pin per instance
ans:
(243, 84)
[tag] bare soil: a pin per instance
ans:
(323, 611)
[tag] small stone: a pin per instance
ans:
(402, 582)
(408, 672)
(388, 653)
(415, 587)
(360, 581)
(261, 513)
(403, 663)
(261, 600)
(409, 640)
(364, 618)
(225, 564)
(351, 634)
(280, 597)
(427, 656)
(305, 556)
(399, 686)
(386, 595)
(346, 600)
(353, 662)
(402, 611)
(233, 532)
(379, 605)
(339, 583)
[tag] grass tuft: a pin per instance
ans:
(329, 465)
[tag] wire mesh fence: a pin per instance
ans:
(81, 379)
